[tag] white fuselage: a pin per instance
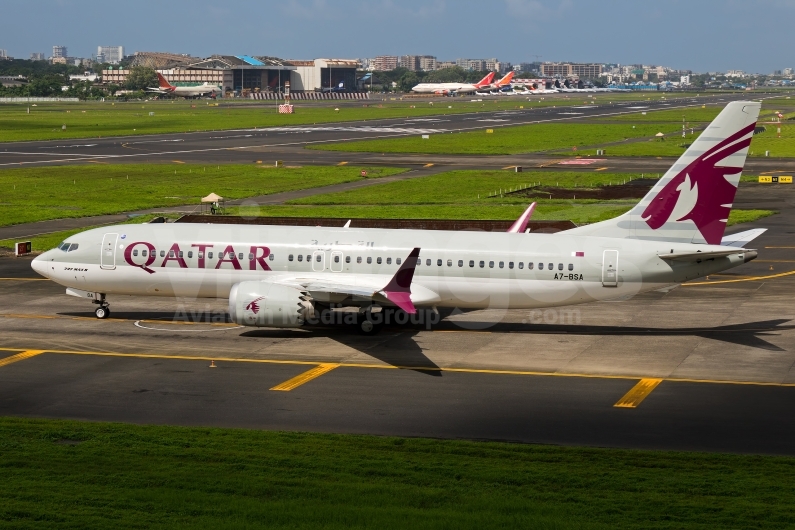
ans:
(458, 269)
(444, 88)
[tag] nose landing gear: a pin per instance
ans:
(103, 311)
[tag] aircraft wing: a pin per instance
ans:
(398, 290)
(709, 254)
(741, 238)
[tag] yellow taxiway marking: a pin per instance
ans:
(601, 168)
(429, 165)
(637, 393)
(779, 247)
(509, 167)
(20, 357)
(342, 164)
(178, 161)
(399, 367)
(749, 279)
(305, 377)
(25, 279)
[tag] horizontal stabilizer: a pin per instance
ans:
(748, 255)
(741, 238)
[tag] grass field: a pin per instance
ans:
(97, 475)
(38, 194)
(504, 141)
(95, 119)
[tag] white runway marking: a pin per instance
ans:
(138, 324)
(401, 130)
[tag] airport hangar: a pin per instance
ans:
(236, 74)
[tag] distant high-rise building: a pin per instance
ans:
(110, 54)
(384, 63)
(787, 71)
(3, 54)
(427, 63)
(59, 52)
(476, 65)
(583, 71)
(36, 56)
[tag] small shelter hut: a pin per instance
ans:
(213, 204)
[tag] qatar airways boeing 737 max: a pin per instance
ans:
(277, 276)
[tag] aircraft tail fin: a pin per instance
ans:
(692, 201)
(163, 81)
(486, 80)
(506, 80)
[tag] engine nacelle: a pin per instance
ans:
(264, 304)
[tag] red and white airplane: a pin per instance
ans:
(453, 88)
(282, 276)
(165, 87)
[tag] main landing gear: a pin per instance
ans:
(103, 311)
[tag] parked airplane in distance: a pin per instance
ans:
(165, 87)
(504, 84)
(447, 89)
(281, 276)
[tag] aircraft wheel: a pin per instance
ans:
(102, 312)
(368, 325)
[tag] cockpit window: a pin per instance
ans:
(72, 247)
(64, 246)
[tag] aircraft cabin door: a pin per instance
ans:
(318, 261)
(336, 261)
(107, 259)
(610, 268)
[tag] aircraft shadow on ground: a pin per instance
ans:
(397, 346)
(747, 334)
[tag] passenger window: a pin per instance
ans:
(521, 265)
(240, 255)
(502, 264)
(540, 266)
(369, 260)
(143, 253)
(460, 263)
(491, 264)
(209, 255)
(449, 263)
(319, 258)
(482, 264)
(438, 263)
(201, 254)
(530, 266)
(358, 259)
(471, 263)
(300, 257)
(336, 258)
(571, 266)
(250, 256)
(389, 261)
(162, 253)
(560, 266)
(271, 257)
(190, 254)
(378, 260)
(289, 257)
(308, 258)
(398, 261)
(428, 262)
(180, 253)
(510, 264)
(347, 259)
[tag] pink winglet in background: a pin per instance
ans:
(519, 226)
(398, 290)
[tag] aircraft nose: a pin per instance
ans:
(40, 264)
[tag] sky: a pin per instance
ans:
(699, 35)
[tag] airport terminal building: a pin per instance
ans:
(245, 75)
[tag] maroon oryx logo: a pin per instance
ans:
(702, 183)
(253, 306)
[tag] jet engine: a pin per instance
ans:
(264, 304)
